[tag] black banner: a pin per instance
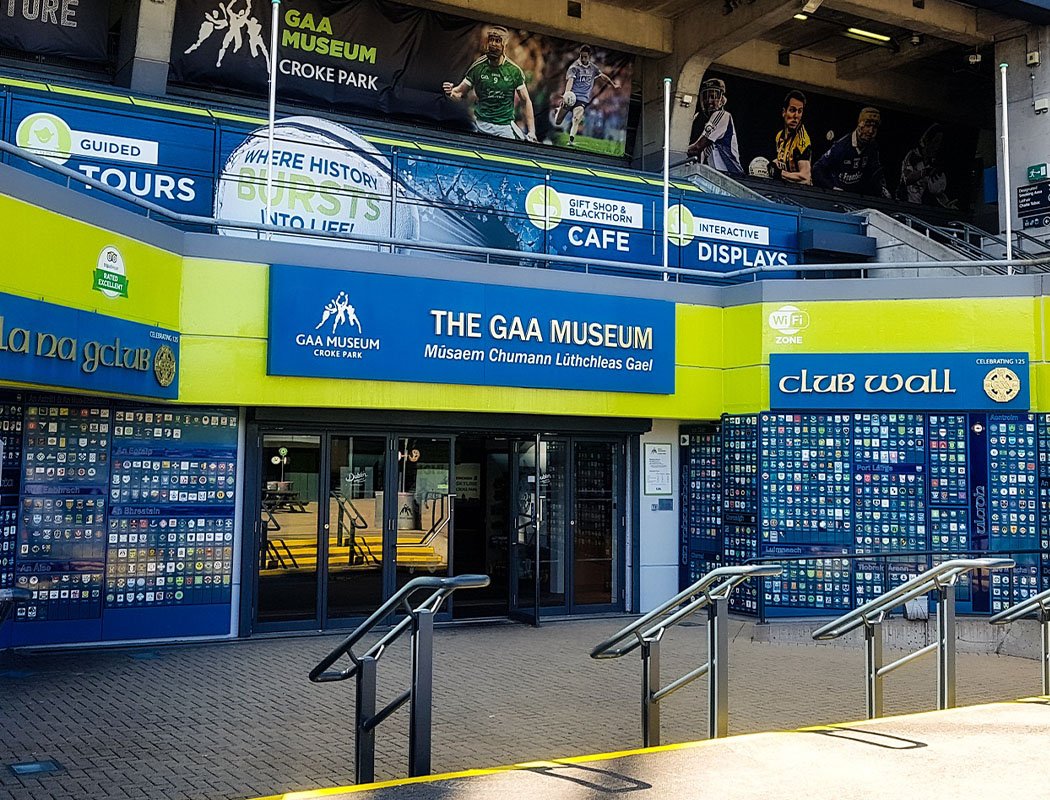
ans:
(69, 28)
(387, 59)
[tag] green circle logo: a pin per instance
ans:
(46, 135)
(679, 225)
(543, 205)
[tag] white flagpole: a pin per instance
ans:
(1007, 200)
(667, 163)
(275, 24)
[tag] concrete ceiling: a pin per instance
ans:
(668, 9)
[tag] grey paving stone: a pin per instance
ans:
(237, 720)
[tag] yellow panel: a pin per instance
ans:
(928, 325)
(1040, 388)
(521, 162)
(110, 98)
(698, 334)
(57, 257)
(450, 151)
(239, 117)
(392, 142)
(206, 291)
(141, 101)
(40, 87)
(563, 168)
(746, 390)
(617, 176)
(742, 345)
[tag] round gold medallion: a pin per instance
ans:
(1002, 384)
(164, 367)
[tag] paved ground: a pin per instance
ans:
(916, 755)
(240, 719)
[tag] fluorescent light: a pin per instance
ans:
(878, 37)
(802, 17)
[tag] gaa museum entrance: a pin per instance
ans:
(343, 518)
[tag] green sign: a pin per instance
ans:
(112, 283)
(282, 451)
(1037, 172)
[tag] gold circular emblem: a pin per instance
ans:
(1002, 384)
(164, 366)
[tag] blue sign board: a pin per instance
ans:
(336, 324)
(899, 381)
(50, 345)
(170, 162)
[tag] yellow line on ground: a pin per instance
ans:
(312, 794)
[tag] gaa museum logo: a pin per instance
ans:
(789, 322)
(334, 341)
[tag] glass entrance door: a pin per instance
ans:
(292, 517)
(596, 522)
(524, 534)
(423, 511)
(356, 474)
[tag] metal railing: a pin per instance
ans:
(420, 621)
(1039, 605)
(908, 564)
(941, 579)
(711, 592)
(496, 255)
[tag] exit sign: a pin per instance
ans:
(1037, 172)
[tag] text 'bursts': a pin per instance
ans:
(326, 178)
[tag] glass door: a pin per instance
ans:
(524, 534)
(596, 524)
(292, 517)
(423, 511)
(356, 474)
(554, 524)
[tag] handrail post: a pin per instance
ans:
(1044, 624)
(650, 686)
(422, 694)
(872, 665)
(946, 647)
(718, 669)
(365, 733)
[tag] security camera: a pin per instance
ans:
(974, 59)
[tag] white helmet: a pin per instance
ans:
(759, 167)
(569, 100)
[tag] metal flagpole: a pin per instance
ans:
(275, 23)
(667, 162)
(1006, 174)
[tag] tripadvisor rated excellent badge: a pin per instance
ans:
(110, 276)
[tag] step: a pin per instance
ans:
(988, 751)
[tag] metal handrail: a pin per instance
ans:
(364, 667)
(942, 579)
(407, 245)
(1038, 604)
(884, 557)
(442, 587)
(711, 592)
(942, 575)
(703, 594)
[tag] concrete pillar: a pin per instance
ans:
(701, 36)
(144, 66)
(1026, 86)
